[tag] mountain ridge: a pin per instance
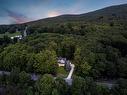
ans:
(117, 12)
(84, 16)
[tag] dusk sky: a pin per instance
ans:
(19, 11)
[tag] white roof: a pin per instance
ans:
(17, 36)
(61, 61)
(12, 37)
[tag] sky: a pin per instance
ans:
(20, 11)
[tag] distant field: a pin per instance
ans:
(10, 34)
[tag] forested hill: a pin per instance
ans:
(113, 13)
(117, 13)
(102, 40)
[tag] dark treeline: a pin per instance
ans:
(20, 83)
(11, 28)
(100, 52)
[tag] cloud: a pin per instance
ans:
(53, 14)
(17, 17)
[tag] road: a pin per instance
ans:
(106, 83)
(33, 76)
(69, 77)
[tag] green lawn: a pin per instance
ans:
(10, 34)
(62, 72)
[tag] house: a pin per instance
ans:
(62, 61)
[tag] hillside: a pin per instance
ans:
(118, 13)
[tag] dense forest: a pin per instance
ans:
(97, 47)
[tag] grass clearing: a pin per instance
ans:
(10, 34)
(62, 72)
